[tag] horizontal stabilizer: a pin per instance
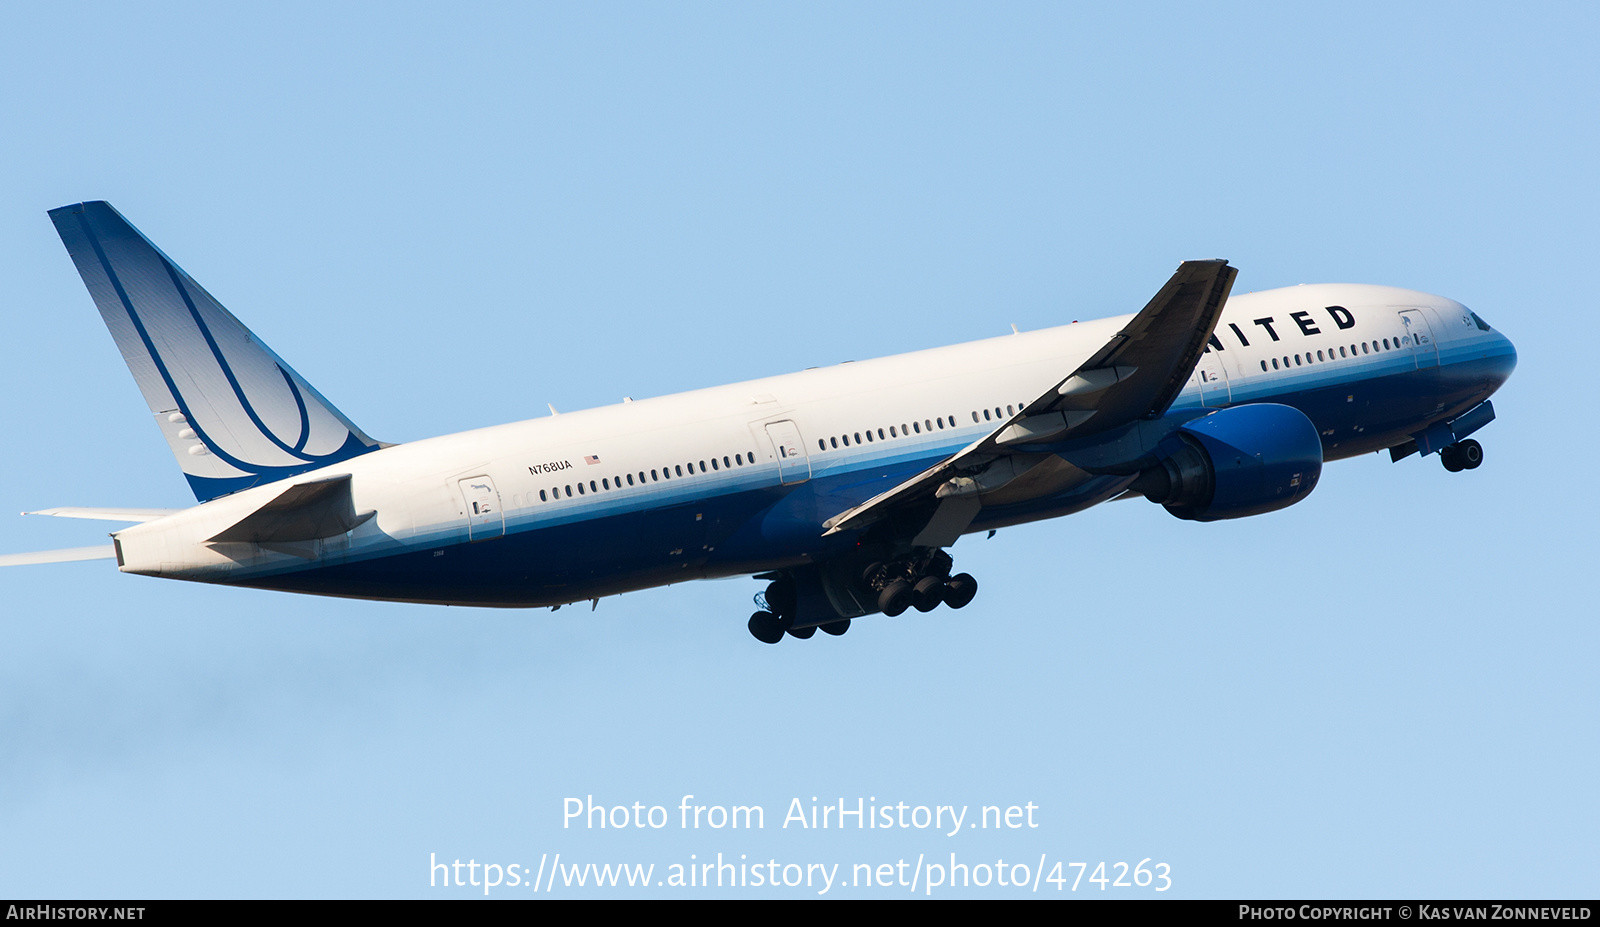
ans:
(303, 512)
(140, 515)
(101, 552)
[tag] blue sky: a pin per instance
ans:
(447, 219)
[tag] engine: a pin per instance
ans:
(1242, 461)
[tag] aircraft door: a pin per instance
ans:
(794, 464)
(1422, 344)
(1214, 390)
(482, 507)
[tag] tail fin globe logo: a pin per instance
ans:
(234, 414)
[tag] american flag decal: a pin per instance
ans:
(592, 459)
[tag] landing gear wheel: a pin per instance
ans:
(782, 597)
(960, 590)
(895, 598)
(1451, 458)
(765, 627)
(1469, 454)
(928, 593)
(803, 633)
(836, 628)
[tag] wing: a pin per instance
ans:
(1137, 374)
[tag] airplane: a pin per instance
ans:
(841, 487)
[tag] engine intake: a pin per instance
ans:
(1242, 461)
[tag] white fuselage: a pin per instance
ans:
(852, 430)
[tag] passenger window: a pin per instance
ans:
(630, 479)
(927, 425)
(846, 440)
(834, 441)
(541, 496)
(1263, 365)
(892, 432)
(580, 489)
(1319, 355)
(916, 427)
(607, 483)
(713, 463)
(1009, 411)
(880, 434)
(569, 491)
(702, 466)
(725, 464)
(1274, 363)
(869, 435)
(591, 486)
(858, 437)
(974, 415)
(679, 468)
(986, 415)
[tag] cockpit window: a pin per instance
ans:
(1482, 325)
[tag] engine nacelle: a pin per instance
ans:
(1236, 462)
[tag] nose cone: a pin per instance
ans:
(1495, 356)
(1501, 355)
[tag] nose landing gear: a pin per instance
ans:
(1463, 455)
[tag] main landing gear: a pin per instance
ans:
(781, 601)
(921, 580)
(1462, 455)
(769, 628)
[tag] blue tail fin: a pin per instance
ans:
(234, 414)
